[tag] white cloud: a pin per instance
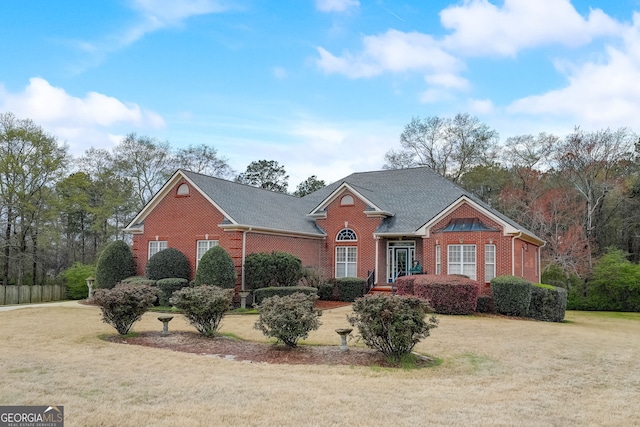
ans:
(597, 94)
(155, 15)
(80, 121)
(164, 13)
(481, 106)
(393, 51)
(336, 5)
(482, 28)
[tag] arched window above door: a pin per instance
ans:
(346, 235)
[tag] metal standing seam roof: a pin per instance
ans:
(414, 196)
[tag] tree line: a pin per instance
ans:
(57, 209)
(580, 192)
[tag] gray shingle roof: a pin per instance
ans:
(414, 196)
(247, 205)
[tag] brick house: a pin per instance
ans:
(372, 225)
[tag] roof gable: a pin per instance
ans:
(319, 211)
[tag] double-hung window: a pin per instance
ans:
(438, 260)
(203, 247)
(346, 261)
(462, 260)
(489, 262)
(156, 246)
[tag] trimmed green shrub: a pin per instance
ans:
(326, 291)
(261, 294)
(288, 269)
(124, 304)
(139, 280)
(75, 277)
(485, 304)
(114, 264)
(168, 263)
(216, 269)
(204, 306)
(576, 288)
(166, 288)
(512, 295)
(548, 303)
(264, 270)
(288, 318)
(392, 325)
(258, 270)
(350, 288)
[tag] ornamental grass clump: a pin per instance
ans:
(125, 304)
(288, 318)
(392, 325)
(204, 306)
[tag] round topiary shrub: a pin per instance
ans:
(216, 269)
(204, 306)
(288, 318)
(124, 304)
(168, 263)
(114, 264)
(392, 325)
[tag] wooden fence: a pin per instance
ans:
(13, 294)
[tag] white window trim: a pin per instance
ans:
(346, 262)
(345, 235)
(156, 246)
(489, 267)
(438, 259)
(209, 244)
(462, 262)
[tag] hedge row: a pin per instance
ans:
(261, 294)
(446, 294)
(512, 295)
(515, 296)
(350, 288)
(548, 303)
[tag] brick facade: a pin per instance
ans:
(182, 220)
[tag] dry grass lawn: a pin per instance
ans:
(495, 371)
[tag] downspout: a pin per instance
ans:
(539, 261)
(244, 254)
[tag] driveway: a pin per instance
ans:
(41, 305)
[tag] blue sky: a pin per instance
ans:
(325, 87)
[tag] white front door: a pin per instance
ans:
(400, 257)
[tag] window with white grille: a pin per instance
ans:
(156, 246)
(489, 262)
(462, 260)
(346, 261)
(203, 247)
